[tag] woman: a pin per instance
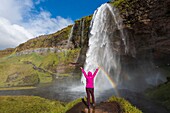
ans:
(90, 85)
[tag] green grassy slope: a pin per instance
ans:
(44, 41)
(20, 71)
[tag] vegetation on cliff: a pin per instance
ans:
(133, 11)
(161, 94)
(81, 31)
(6, 52)
(126, 106)
(51, 40)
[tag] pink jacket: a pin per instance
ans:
(90, 78)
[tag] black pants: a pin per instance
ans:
(90, 91)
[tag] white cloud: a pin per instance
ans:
(18, 23)
(39, 1)
(12, 34)
(44, 24)
(14, 10)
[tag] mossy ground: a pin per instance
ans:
(126, 106)
(161, 94)
(33, 104)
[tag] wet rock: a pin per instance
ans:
(105, 107)
(149, 36)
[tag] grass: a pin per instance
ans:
(33, 104)
(161, 94)
(126, 106)
(71, 104)
(22, 73)
(117, 2)
(52, 60)
(16, 88)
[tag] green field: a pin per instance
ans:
(19, 70)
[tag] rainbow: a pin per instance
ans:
(111, 81)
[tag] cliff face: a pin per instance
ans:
(147, 29)
(147, 24)
(160, 27)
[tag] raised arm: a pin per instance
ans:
(95, 72)
(84, 73)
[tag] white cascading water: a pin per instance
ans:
(100, 53)
(70, 36)
(118, 21)
(106, 39)
(82, 31)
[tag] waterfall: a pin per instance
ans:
(101, 50)
(107, 38)
(119, 22)
(70, 36)
(82, 31)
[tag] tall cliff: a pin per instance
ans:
(147, 25)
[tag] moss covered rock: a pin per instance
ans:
(126, 106)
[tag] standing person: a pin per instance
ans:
(90, 85)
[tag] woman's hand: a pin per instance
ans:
(81, 68)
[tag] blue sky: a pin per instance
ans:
(21, 20)
(73, 9)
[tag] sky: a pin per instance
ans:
(21, 20)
